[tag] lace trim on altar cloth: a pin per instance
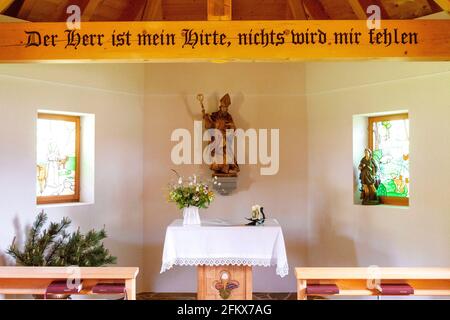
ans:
(282, 270)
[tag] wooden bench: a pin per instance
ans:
(35, 280)
(362, 281)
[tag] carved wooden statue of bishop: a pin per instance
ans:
(368, 171)
(224, 163)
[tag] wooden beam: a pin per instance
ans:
(4, 18)
(358, 9)
(219, 10)
(26, 9)
(60, 13)
(4, 5)
(132, 10)
(153, 11)
(165, 41)
(314, 10)
(366, 3)
(444, 4)
(90, 9)
(401, 9)
(297, 9)
(434, 6)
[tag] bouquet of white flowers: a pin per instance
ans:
(191, 192)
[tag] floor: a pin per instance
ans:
(193, 296)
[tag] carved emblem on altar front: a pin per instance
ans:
(225, 285)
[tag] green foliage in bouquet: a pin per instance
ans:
(55, 247)
(190, 192)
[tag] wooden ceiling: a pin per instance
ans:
(191, 10)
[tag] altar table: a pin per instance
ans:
(224, 253)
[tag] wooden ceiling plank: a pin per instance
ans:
(401, 9)
(90, 9)
(4, 5)
(297, 9)
(26, 9)
(288, 14)
(61, 12)
(219, 10)
(132, 10)
(315, 10)
(267, 10)
(173, 10)
(366, 3)
(444, 4)
(338, 10)
(153, 11)
(358, 9)
(434, 6)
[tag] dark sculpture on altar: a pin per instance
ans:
(368, 174)
(223, 121)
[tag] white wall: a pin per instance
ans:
(262, 96)
(113, 93)
(344, 234)
(137, 107)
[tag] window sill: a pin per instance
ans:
(62, 205)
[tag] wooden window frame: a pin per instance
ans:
(76, 196)
(394, 201)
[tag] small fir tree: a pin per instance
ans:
(55, 247)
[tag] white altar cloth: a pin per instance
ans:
(218, 242)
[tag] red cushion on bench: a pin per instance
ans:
(106, 288)
(395, 289)
(322, 289)
(62, 287)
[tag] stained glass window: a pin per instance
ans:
(57, 158)
(389, 140)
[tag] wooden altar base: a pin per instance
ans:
(214, 285)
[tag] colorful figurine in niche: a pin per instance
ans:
(368, 173)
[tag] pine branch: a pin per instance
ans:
(55, 247)
(37, 226)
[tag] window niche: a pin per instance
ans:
(387, 135)
(65, 146)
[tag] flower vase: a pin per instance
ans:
(191, 216)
